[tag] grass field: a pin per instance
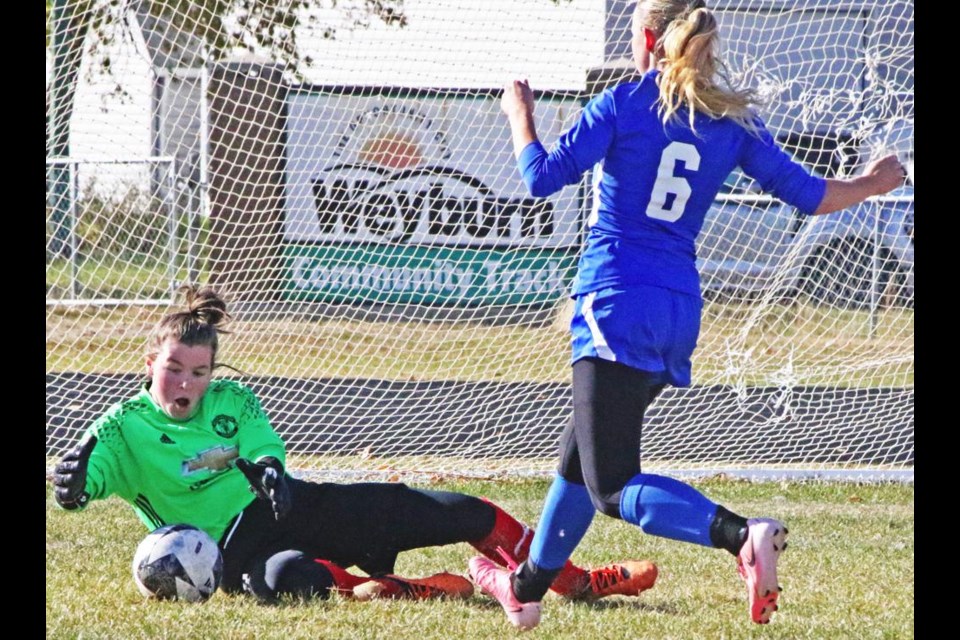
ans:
(738, 345)
(849, 573)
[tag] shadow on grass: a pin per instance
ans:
(597, 605)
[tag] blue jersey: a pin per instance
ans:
(657, 184)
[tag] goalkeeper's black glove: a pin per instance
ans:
(267, 480)
(70, 476)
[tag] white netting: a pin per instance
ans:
(341, 170)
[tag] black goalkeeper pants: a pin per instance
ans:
(364, 525)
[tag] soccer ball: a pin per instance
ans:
(178, 562)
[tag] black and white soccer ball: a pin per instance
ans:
(178, 562)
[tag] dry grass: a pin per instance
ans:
(848, 574)
(770, 345)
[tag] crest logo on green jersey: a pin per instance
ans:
(225, 426)
(215, 458)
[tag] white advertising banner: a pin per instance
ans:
(419, 168)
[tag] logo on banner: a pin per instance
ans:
(394, 181)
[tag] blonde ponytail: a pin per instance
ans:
(691, 74)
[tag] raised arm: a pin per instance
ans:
(579, 148)
(517, 104)
(879, 177)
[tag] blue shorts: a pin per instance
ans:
(647, 328)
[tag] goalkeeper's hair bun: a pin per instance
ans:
(206, 305)
(199, 324)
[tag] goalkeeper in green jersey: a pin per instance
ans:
(194, 450)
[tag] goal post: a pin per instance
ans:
(345, 176)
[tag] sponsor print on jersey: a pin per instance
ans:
(213, 459)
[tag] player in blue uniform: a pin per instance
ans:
(666, 144)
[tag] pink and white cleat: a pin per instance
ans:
(495, 581)
(757, 565)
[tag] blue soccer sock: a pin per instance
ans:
(668, 508)
(567, 514)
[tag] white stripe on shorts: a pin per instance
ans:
(599, 342)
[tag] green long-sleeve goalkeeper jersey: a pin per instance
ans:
(181, 471)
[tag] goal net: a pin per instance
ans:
(341, 171)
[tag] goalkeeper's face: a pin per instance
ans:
(179, 376)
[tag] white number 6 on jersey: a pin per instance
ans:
(668, 183)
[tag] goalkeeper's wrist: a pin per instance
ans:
(75, 504)
(270, 461)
